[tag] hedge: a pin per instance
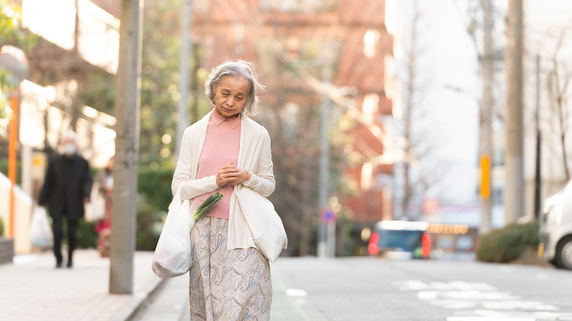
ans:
(507, 244)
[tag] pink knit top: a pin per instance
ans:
(222, 144)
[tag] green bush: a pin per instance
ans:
(86, 235)
(154, 197)
(154, 188)
(507, 244)
(149, 224)
(1, 227)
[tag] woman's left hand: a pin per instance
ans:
(243, 176)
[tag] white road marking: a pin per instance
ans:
(486, 302)
(296, 293)
(488, 319)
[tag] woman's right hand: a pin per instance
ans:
(226, 174)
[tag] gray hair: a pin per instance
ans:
(240, 69)
(70, 134)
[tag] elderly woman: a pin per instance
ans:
(229, 276)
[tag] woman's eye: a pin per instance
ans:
(239, 98)
(225, 94)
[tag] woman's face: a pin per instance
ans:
(230, 96)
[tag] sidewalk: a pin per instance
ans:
(33, 289)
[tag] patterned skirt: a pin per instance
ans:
(226, 285)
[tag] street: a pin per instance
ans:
(374, 289)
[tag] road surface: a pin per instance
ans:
(367, 288)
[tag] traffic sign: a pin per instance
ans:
(327, 215)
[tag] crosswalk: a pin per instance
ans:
(481, 302)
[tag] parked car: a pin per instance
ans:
(555, 232)
(400, 240)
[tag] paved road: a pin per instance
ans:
(375, 289)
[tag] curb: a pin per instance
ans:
(129, 311)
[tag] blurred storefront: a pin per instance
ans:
(76, 38)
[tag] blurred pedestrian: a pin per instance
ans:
(104, 180)
(229, 277)
(66, 190)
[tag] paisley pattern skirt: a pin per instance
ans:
(226, 285)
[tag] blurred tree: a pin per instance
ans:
(160, 80)
(416, 140)
(559, 90)
(11, 32)
(292, 117)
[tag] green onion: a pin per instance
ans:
(207, 205)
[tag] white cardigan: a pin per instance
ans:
(254, 156)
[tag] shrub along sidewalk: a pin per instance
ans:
(508, 244)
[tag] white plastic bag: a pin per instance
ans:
(95, 209)
(173, 252)
(265, 224)
(40, 231)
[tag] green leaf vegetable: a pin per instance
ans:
(207, 205)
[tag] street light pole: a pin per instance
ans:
(486, 119)
(538, 173)
(514, 169)
(127, 103)
(324, 154)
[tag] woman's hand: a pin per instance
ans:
(227, 174)
(232, 175)
(243, 176)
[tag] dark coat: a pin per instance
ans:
(67, 183)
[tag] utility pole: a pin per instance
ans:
(324, 154)
(127, 103)
(537, 176)
(184, 74)
(486, 119)
(514, 180)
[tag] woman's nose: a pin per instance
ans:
(230, 101)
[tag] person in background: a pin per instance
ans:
(66, 190)
(103, 228)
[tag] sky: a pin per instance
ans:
(452, 88)
(449, 118)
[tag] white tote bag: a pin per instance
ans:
(40, 231)
(173, 252)
(95, 209)
(265, 224)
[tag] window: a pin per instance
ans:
(464, 243)
(445, 242)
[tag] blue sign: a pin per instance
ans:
(327, 215)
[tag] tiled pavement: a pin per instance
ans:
(33, 289)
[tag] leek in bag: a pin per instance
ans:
(207, 205)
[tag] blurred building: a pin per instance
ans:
(76, 39)
(289, 41)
